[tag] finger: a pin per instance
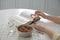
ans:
(36, 27)
(38, 13)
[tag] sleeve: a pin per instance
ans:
(56, 37)
(59, 16)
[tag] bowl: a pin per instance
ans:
(25, 30)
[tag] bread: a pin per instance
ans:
(24, 28)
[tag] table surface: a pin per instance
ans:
(4, 28)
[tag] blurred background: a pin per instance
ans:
(48, 6)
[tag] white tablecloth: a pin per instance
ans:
(4, 28)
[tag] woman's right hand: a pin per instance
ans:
(40, 13)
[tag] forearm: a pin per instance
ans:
(49, 33)
(44, 29)
(53, 18)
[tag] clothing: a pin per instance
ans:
(56, 37)
(59, 16)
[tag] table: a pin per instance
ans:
(4, 28)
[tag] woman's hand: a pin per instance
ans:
(39, 27)
(40, 13)
(44, 29)
(52, 18)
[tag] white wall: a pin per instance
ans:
(52, 7)
(49, 6)
(37, 4)
(4, 4)
(30, 4)
(22, 4)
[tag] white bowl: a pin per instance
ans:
(25, 34)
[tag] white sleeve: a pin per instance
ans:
(56, 37)
(59, 16)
